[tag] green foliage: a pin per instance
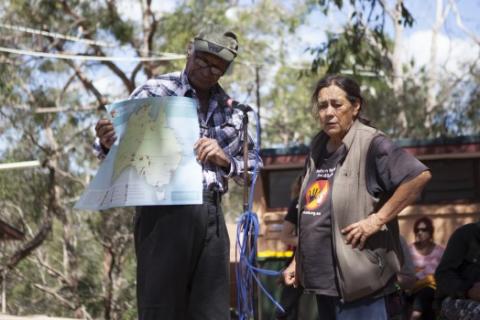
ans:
(290, 121)
(383, 106)
(366, 25)
(462, 117)
(349, 51)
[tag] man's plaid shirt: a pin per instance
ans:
(221, 123)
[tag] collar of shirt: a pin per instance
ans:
(217, 95)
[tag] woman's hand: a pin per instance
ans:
(289, 276)
(357, 233)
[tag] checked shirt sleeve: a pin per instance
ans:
(99, 151)
(238, 165)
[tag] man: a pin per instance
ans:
(183, 251)
(458, 275)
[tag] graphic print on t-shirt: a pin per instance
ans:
(316, 194)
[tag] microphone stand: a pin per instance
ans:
(245, 161)
(246, 183)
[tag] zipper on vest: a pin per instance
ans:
(298, 250)
(338, 271)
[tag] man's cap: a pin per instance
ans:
(223, 44)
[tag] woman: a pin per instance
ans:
(426, 257)
(356, 182)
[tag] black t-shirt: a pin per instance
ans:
(388, 166)
(315, 237)
(292, 217)
(292, 212)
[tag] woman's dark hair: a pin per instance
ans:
(428, 225)
(351, 88)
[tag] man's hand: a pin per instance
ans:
(358, 233)
(474, 292)
(289, 275)
(208, 149)
(105, 132)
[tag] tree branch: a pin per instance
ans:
(113, 67)
(460, 24)
(64, 89)
(53, 272)
(54, 293)
(87, 83)
(149, 24)
(389, 11)
(88, 35)
(34, 243)
(135, 71)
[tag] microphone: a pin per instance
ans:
(237, 105)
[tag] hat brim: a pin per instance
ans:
(214, 48)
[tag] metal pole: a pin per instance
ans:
(245, 162)
(4, 291)
(246, 183)
(257, 92)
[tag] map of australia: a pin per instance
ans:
(150, 147)
(152, 162)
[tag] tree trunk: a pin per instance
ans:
(397, 49)
(432, 74)
(397, 62)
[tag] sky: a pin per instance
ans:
(454, 45)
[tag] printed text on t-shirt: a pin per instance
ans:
(326, 173)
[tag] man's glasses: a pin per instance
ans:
(204, 64)
(421, 230)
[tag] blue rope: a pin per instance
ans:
(246, 251)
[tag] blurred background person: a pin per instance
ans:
(426, 255)
(405, 279)
(290, 296)
(458, 275)
(406, 276)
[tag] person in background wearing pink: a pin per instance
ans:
(426, 256)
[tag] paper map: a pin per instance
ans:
(152, 162)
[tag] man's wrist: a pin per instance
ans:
(227, 168)
(230, 171)
(104, 149)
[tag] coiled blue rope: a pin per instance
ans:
(246, 252)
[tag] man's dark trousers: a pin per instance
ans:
(182, 261)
